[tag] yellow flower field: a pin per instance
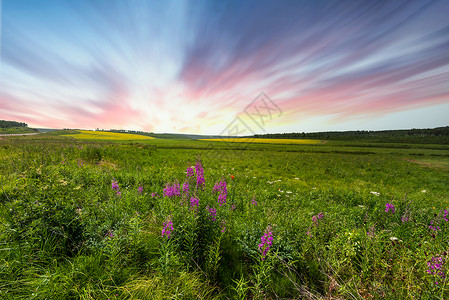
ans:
(103, 135)
(266, 141)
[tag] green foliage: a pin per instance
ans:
(65, 233)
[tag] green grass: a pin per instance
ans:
(65, 234)
(17, 130)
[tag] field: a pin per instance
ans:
(104, 135)
(265, 141)
(181, 219)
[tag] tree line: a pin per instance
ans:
(361, 134)
(10, 124)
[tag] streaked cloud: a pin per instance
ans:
(191, 66)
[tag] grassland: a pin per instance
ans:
(17, 130)
(105, 135)
(104, 219)
(266, 141)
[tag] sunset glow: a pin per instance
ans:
(193, 66)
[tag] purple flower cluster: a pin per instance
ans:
(316, 218)
(116, 188)
(154, 195)
(172, 190)
(223, 192)
(140, 190)
(200, 181)
(445, 216)
(265, 242)
(436, 267)
(434, 227)
(212, 213)
(168, 227)
(190, 172)
(389, 207)
(194, 202)
(253, 201)
(185, 188)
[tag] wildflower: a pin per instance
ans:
(185, 188)
(153, 195)
(168, 227)
(232, 176)
(435, 228)
(172, 190)
(200, 182)
(253, 201)
(445, 216)
(436, 266)
(222, 190)
(115, 186)
(316, 218)
(389, 207)
(233, 207)
(266, 242)
(140, 190)
(375, 193)
(119, 194)
(190, 172)
(194, 202)
(212, 213)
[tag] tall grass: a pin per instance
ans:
(83, 220)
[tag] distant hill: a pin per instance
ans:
(13, 127)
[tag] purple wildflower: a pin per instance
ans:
(190, 172)
(115, 186)
(436, 227)
(119, 194)
(154, 195)
(223, 192)
(200, 182)
(233, 207)
(212, 213)
(168, 227)
(172, 190)
(316, 218)
(140, 190)
(194, 202)
(185, 188)
(445, 216)
(389, 207)
(253, 201)
(435, 266)
(266, 242)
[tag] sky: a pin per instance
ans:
(204, 66)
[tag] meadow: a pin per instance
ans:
(265, 141)
(182, 219)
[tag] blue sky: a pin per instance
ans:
(193, 66)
